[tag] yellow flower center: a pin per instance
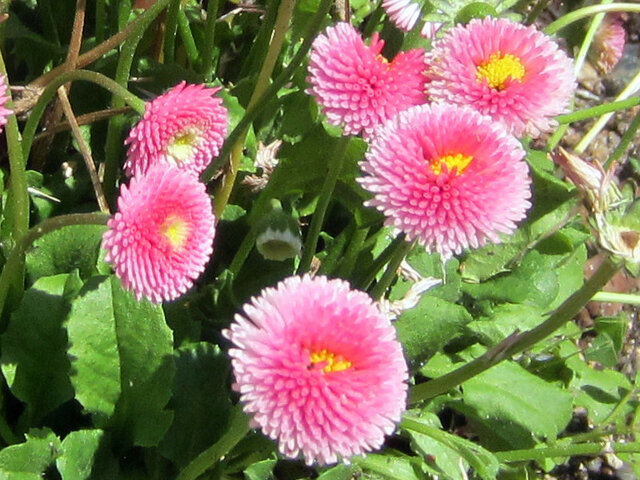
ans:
(181, 146)
(499, 68)
(332, 363)
(458, 161)
(175, 230)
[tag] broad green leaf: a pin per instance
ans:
(533, 282)
(599, 391)
(200, 402)
(86, 455)
(145, 344)
(93, 350)
(506, 318)
(64, 250)
(510, 407)
(430, 325)
(29, 460)
(34, 348)
(450, 455)
(122, 364)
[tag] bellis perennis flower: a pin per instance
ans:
(515, 74)
(448, 177)
(319, 368)
(161, 238)
(356, 86)
(184, 127)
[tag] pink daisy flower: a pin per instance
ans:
(448, 177)
(609, 41)
(4, 98)
(403, 13)
(184, 127)
(515, 74)
(356, 86)
(161, 238)
(319, 368)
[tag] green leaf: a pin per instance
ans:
(121, 356)
(64, 250)
(449, 455)
(599, 391)
(147, 367)
(533, 282)
(509, 407)
(506, 318)
(200, 402)
(86, 455)
(430, 325)
(34, 348)
(260, 470)
(29, 460)
(93, 350)
(392, 468)
(339, 472)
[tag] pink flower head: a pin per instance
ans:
(356, 86)
(515, 74)
(609, 41)
(4, 98)
(319, 368)
(448, 177)
(161, 238)
(403, 13)
(184, 127)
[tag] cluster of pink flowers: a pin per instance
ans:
(451, 175)
(161, 239)
(317, 365)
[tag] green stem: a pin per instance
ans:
(15, 261)
(518, 342)
(251, 113)
(101, 20)
(238, 428)
(336, 161)
(113, 144)
(610, 297)
(598, 110)
(352, 253)
(535, 11)
(283, 18)
(17, 209)
(593, 132)
(50, 91)
(187, 38)
(337, 246)
(124, 11)
(556, 137)
(170, 31)
(390, 273)
(384, 257)
(588, 39)
(208, 66)
(243, 251)
(581, 13)
(581, 449)
(48, 22)
(626, 139)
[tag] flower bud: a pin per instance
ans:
(279, 236)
